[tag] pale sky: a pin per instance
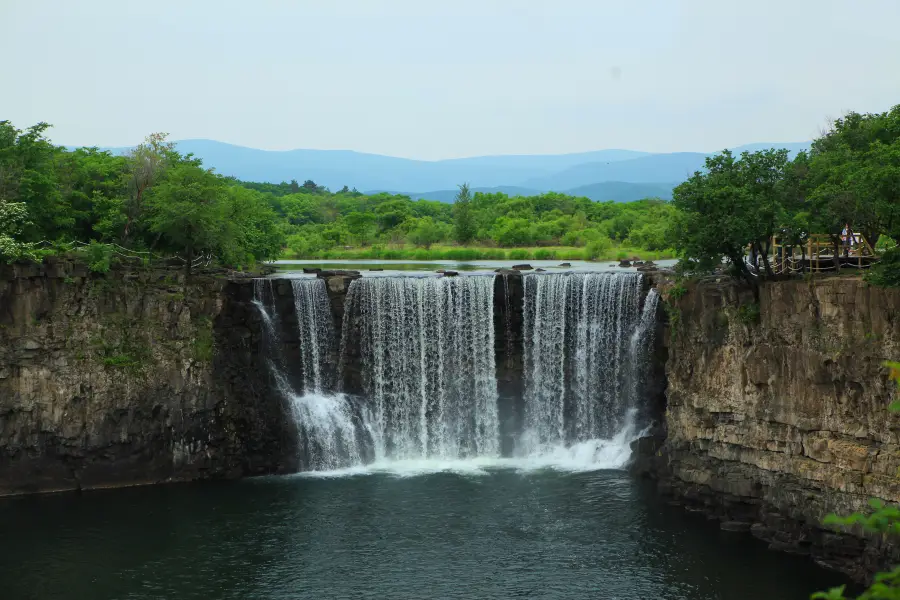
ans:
(436, 79)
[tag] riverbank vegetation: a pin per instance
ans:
(484, 226)
(471, 253)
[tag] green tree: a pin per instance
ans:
(13, 219)
(93, 185)
(187, 213)
(462, 214)
(734, 205)
(28, 174)
(253, 229)
(146, 165)
(854, 171)
(712, 217)
(362, 227)
(392, 214)
(426, 231)
(513, 232)
(310, 186)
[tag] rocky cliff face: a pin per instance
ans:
(131, 378)
(778, 411)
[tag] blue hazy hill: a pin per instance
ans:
(337, 168)
(620, 175)
(654, 168)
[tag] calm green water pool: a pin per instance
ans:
(478, 535)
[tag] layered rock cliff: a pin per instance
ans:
(129, 378)
(777, 411)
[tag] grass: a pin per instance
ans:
(203, 343)
(463, 253)
(120, 360)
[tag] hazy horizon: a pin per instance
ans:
(774, 144)
(440, 80)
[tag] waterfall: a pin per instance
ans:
(316, 332)
(417, 355)
(427, 352)
(326, 425)
(264, 299)
(641, 349)
(582, 333)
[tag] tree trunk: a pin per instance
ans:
(155, 241)
(132, 214)
(836, 243)
(738, 261)
(187, 266)
(769, 272)
(764, 253)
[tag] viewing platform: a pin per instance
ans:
(817, 254)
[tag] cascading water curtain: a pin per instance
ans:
(642, 342)
(580, 367)
(326, 427)
(317, 336)
(264, 300)
(427, 354)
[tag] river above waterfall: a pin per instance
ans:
(379, 267)
(485, 534)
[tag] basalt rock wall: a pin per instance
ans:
(777, 411)
(131, 377)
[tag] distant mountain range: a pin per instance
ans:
(620, 175)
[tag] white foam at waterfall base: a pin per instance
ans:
(327, 422)
(585, 456)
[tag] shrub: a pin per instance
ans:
(748, 314)
(203, 341)
(120, 361)
(99, 256)
(678, 290)
(887, 272)
(597, 248)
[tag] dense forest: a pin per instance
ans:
(155, 202)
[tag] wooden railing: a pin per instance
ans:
(816, 254)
